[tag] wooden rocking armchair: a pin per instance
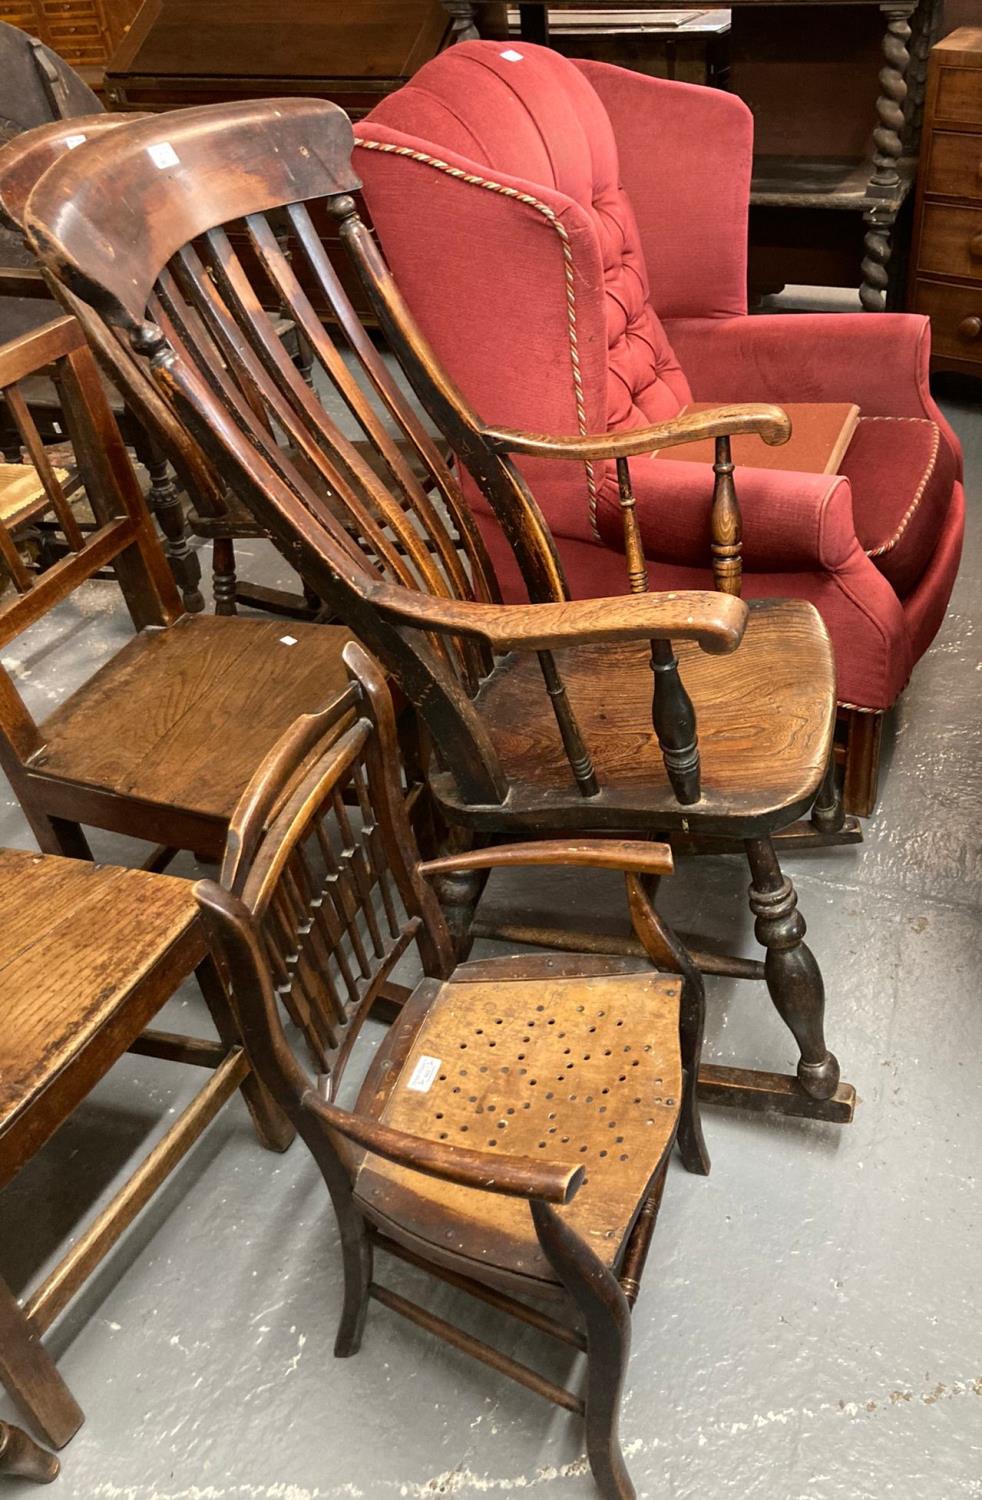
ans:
(541, 715)
(512, 1134)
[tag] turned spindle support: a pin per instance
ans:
(672, 714)
(726, 524)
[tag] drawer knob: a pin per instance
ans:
(970, 328)
(975, 246)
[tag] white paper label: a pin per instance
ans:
(71, 141)
(163, 155)
(288, 640)
(510, 55)
(423, 1075)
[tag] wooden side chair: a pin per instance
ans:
(541, 716)
(37, 87)
(160, 443)
(159, 743)
(513, 1132)
(88, 956)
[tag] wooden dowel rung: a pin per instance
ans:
(54, 1294)
(476, 1349)
(31, 438)
(498, 1300)
(172, 1046)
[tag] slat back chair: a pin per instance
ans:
(122, 536)
(213, 346)
(214, 513)
(539, 714)
(159, 743)
(508, 1089)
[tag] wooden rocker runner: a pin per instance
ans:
(542, 715)
(513, 1131)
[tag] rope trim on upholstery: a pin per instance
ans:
(551, 218)
(888, 546)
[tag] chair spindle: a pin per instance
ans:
(672, 714)
(726, 524)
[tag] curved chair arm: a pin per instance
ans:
(716, 621)
(512, 1176)
(769, 422)
(629, 856)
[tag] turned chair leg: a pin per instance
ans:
(223, 580)
(828, 813)
(21, 1455)
(459, 895)
(607, 1315)
(164, 499)
(793, 977)
(31, 1378)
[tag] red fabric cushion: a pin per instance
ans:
(863, 615)
(528, 113)
(902, 478)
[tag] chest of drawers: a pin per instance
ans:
(947, 250)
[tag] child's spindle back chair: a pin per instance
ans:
(512, 1134)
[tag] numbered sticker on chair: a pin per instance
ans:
(423, 1076)
(163, 155)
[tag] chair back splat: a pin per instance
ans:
(173, 234)
(321, 854)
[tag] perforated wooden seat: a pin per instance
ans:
(577, 1069)
(757, 766)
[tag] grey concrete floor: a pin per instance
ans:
(809, 1327)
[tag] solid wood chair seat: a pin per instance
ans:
(765, 717)
(575, 1069)
(180, 718)
(22, 493)
(77, 943)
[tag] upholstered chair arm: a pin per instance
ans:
(882, 364)
(489, 1171)
(716, 621)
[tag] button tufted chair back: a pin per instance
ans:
(517, 172)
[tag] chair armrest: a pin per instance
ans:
(630, 856)
(512, 1176)
(768, 422)
(715, 621)
(881, 363)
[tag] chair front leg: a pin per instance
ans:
(794, 980)
(30, 1377)
(607, 1315)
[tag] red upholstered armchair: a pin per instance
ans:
(572, 239)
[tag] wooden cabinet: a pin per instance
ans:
(83, 32)
(947, 252)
